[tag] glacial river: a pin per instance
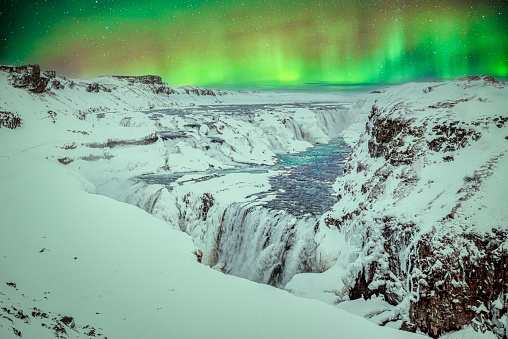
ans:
(270, 239)
(303, 183)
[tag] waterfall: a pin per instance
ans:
(333, 120)
(264, 245)
(267, 241)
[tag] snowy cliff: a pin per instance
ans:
(419, 229)
(422, 217)
(75, 264)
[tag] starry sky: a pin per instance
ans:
(256, 43)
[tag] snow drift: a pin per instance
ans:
(422, 217)
(419, 229)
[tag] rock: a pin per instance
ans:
(199, 255)
(50, 74)
(200, 91)
(143, 79)
(461, 291)
(148, 140)
(479, 77)
(163, 89)
(207, 203)
(65, 160)
(95, 87)
(444, 274)
(9, 120)
(27, 76)
(68, 321)
(55, 84)
(157, 86)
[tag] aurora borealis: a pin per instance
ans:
(258, 42)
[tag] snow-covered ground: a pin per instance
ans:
(77, 264)
(68, 252)
(118, 139)
(422, 217)
(120, 273)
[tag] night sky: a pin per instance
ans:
(257, 42)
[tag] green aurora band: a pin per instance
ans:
(258, 43)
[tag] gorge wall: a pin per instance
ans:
(422, 205)
(422, 218)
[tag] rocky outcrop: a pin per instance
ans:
(457, 287)
(27, 76)
(411, 198)
(203, 91)
(163, 89)
(143, 79)
(56, 84)
(95, 87)
(111, 143)
(155, 82)
(50, 74)
(9, 120)
(199, 91)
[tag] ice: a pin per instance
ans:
(208, 166)
(114, 268)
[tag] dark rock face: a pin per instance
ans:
(155, 82)
(95, 87)
(163, 89)
(200, 91)
(55, 84)
(480, 77)
(448, 273)
(50, 74)
(27, 76)
(143, 79)
(148, 140)
(461, 291)
(65, 160)
(452, 136)
(460, 279)
(9, 120)
(204, 91)
(208, 201)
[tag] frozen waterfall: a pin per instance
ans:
(265, 231)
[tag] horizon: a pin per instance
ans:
(259, 44)
(318, 87)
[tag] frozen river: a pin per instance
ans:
(266, 237)
(302, 183)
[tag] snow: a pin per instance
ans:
(329, 286)
(189, 159)
(438, 181)
(421, 194)
(116, 270)
(128, 274)
(114, 267)
(469, 333)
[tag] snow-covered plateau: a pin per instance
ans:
(381, 213)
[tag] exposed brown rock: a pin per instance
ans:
(387, 137)
(50, 74)
(452, 136)
(95, 87)
(451, 274)
(208, 201)
(143, 79)
(27, 76)
(461, 287)
(9, 120)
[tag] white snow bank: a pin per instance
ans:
(117, 269)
